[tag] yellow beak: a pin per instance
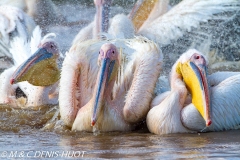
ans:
(195, 78)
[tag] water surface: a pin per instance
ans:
(38, 132)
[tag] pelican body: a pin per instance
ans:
(107, 96)
(225, 100)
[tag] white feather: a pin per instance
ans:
(225, 98)
(183, 17)
(20, 50)
(36, 39)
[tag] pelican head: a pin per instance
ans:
(41, 68)
(108, 62)
(192, 67)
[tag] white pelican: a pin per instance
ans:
(214, 110)
(35, 95)
(108, 98)
(189, 71)
(14, 22)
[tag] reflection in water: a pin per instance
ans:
(39, 129)
(20, 119)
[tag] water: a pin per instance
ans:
(23, 135)
(38, 132)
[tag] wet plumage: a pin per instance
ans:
(125, 103)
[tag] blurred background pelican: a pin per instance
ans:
(44, 12)
(14, 23)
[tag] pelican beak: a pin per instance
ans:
(195, 78)
(102, 79)
(141, 11)
(40, 69)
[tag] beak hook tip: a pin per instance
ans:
(12, 81)
(93, 123)
(208, 123)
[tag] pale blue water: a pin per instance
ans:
(22, 136)
(36, 144)
(30, 134)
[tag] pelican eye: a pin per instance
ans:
(197, 57)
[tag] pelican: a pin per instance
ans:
(32, 95)
(108, 97)
(105, 99)
(14, 23)
(212, 106)
(189, 71)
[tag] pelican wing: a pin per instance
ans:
(4, 52)
(78, 77)
(35, 39)
(141, 76)
(14, 23)
(216, 78)
(225, 104)
(185, 16)
(15, 20)
(85, 33)
(207, 25)
(20, 50)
